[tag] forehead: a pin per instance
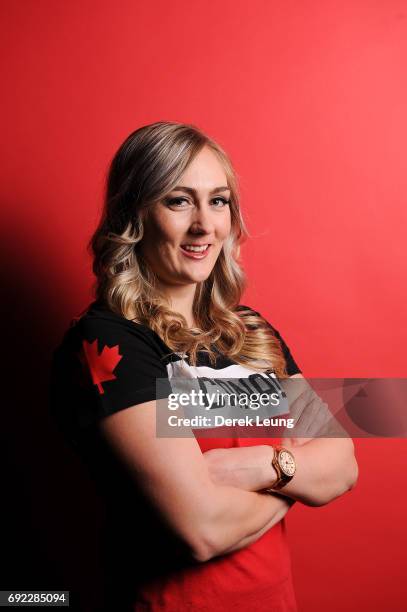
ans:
(204, 172)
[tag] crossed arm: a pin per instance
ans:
(326, 466)
(216, 505)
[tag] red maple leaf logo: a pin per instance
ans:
(101, 365)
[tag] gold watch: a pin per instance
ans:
(284, 463)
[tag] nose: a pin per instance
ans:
(202, 221)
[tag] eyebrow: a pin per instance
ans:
(193, 191)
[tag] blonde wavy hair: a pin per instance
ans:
(146, 167)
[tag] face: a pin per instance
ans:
(195, 213)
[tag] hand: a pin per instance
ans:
(247, 467)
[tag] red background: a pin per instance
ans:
(309, 99)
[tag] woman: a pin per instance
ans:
(194, 523)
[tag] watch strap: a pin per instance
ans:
(282, 479)
(277, 468)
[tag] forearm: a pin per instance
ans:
(283, 505)
(326, 468)
(245, 467)
(236, 518)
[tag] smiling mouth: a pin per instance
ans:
(195, 252)
(194, 248)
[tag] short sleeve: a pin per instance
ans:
(291, 365)
(101, 367)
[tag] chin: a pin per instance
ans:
(198, 278)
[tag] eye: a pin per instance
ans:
(222, 200)
(176, 202)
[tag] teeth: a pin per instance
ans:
(198, 249)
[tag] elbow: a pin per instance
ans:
(197, 545)
(202, 554)
(210, 539)
(347, 483)
(330, 490)
(202, 535)
(203, 548)
(350, 481)
(353, 475)
(352, 471)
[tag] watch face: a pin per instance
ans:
(287, 463)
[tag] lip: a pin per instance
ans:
(193, 255)
(195, 243)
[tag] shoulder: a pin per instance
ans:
(100, 330)
(103, 364)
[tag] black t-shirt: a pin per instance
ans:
(104, 364)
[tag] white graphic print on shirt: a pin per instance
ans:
(234, 391)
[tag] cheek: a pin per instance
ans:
(225, 227)
(170, 230)
(165, 254)
(166, 245)
(157, 245)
